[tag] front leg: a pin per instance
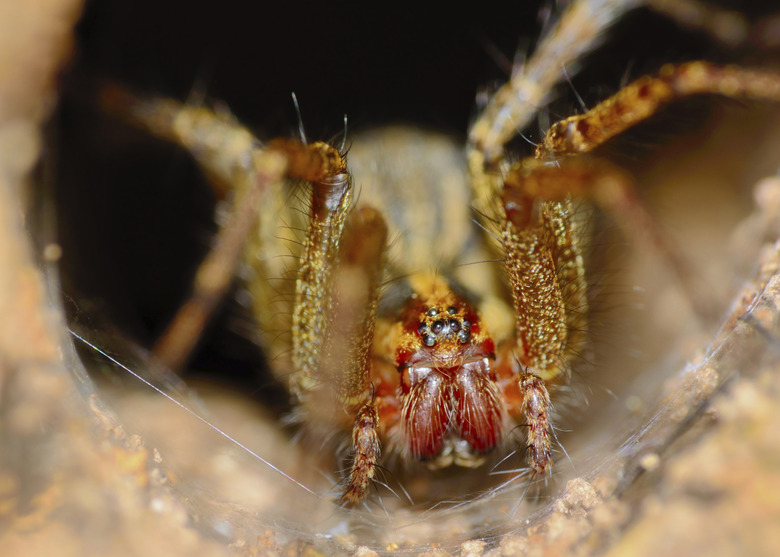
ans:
(357, 296)
(340, 313)
(547, 279)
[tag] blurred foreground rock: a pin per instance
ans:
(72, 482)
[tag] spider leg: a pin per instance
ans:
(347, 315)
(612, 190)
(578, 31)
(355, 298)
(343, 319)
(547, 280)
(236, 162)
(348, 350)
(365, 442)
(536, 409)
(533, 277)
(544, 264)
(641, 99)
(216, 272)
(339, 270)
(337, 295)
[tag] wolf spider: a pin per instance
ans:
(427, 372)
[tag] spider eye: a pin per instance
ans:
(452, 310)
(432, 311)
(429, 340)
(437, 327)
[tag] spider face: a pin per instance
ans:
(438, 327)
(450, 406)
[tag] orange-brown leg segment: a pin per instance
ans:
(336, 301)
(641, 99)
(330, 204)
(533, 278)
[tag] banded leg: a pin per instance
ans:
(336, 332)
(643, 98)
(365, 444)
(579, 30)
(536, 409)
(344, 319)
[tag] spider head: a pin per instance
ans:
(451, 410)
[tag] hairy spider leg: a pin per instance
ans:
(235, 161)
(542, 255)
(339, 270)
